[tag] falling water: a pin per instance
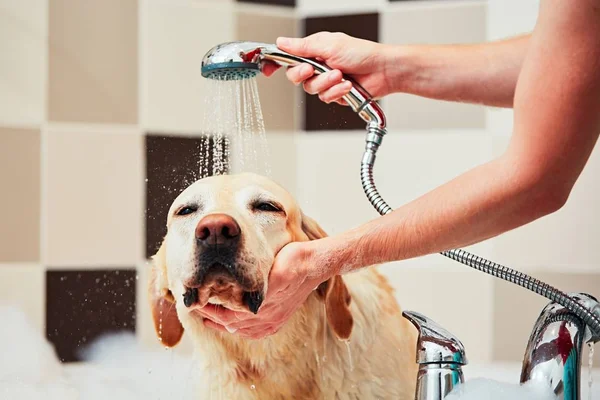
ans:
(347, 342)
(590, 369)
(233, 130)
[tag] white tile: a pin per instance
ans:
(408, 165)
(23, 59)
(23, 286)
(437, 23)
(507, 18)
(456, 297)
(95, 198)
(175, 36)
(564, 241)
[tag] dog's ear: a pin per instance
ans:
(162, 303)
(333, 292)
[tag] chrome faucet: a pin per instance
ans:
(440, 356)
(553, 354)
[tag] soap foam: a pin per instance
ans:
(479, 388)
(116, 368)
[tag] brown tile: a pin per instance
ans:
(172, 164)
(319, 116)
(83, 305)
(277, 94)
(20, 205)
(93, 62)
(290, 3)
(95, 184)
(516, 310)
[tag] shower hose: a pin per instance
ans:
(374, 138)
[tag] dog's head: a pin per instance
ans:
(223, 235)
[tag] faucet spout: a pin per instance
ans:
(440, 356)
(554, 351)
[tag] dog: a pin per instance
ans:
(347, 341)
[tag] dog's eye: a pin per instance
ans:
(186, 211)
(267, 207)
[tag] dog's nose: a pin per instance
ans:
(217, 229)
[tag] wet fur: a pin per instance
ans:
(306, 359)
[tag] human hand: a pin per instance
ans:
(291, 281)
(364, 60)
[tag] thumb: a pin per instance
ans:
(304, 47)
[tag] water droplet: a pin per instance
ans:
(252, 387)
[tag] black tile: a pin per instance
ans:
(82, 305)
(318, 115)
(172, 164)
(289, 3)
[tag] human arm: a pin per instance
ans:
(472, 73)
(557, 120)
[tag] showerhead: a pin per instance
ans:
(243, 60)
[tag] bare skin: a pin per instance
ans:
(552, 80)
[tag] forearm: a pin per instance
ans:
(482, 203)
(479, 73)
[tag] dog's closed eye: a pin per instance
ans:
(187, 210)
(266, 206)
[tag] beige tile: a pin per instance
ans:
(336, 7)
(95, 198)
(23, 38)
(565, 241)
(433, 24)
(20, 206)
(93, 62)
(456, 297)
(176, 35)
(22, 287)
(516, 310)
(277, 94)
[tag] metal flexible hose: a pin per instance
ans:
(469, 259)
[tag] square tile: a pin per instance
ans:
(516, 310)
(456, 297)
(289, 3)
(94, 197)
(277, 94)
(83, 305)
(22, 287)
(20, 208)
(176, 35)
(565, 241)
(438, 23)
(172, 164)
(319, 116)
(93, 61)
(408, 165)
(23, 58)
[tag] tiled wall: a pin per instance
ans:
(100, 124)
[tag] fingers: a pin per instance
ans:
(336, 92)
(300, 73)
(268, 68)
(316, 45)
(322, 82)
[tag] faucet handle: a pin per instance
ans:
(435, 344)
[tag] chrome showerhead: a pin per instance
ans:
(244, 60)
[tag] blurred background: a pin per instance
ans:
(100, 118)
